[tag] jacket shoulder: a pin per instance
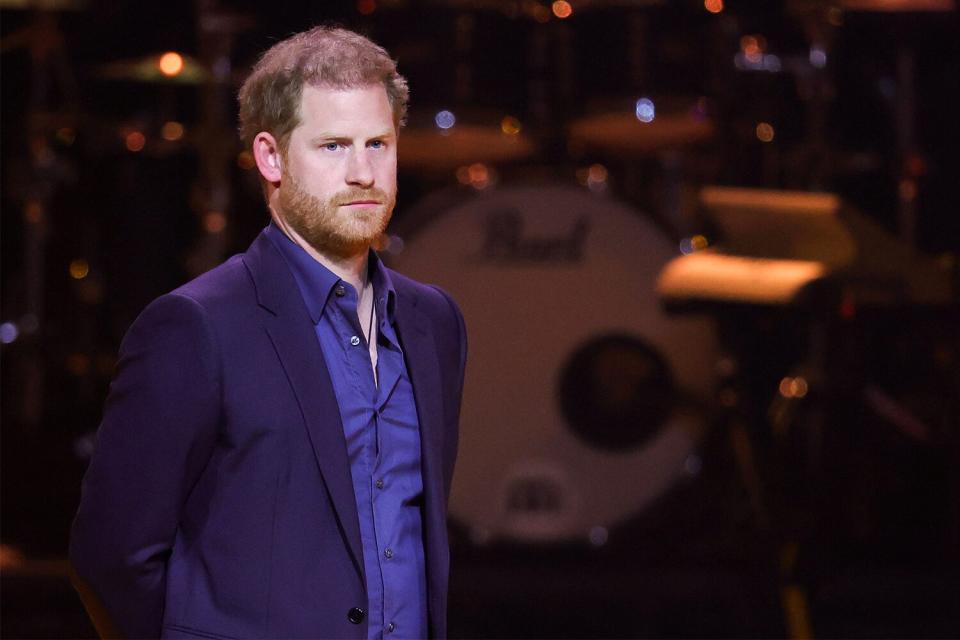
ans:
(226, 283)
(434, 300)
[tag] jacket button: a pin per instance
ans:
(356, 615)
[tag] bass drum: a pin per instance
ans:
(581, 398)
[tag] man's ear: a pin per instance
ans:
(266, 152)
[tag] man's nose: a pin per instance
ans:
(360, 169)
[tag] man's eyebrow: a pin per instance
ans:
(324, 136)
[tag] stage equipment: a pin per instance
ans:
(793, 248)
(163, 68)
(629, 132)
(582, 401)
(888, 6)
(432, 148)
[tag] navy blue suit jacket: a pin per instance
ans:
(219, 501)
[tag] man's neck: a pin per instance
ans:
(352, 269)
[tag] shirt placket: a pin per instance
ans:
(388, 377)
(358, 361)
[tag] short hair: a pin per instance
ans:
(321, 57)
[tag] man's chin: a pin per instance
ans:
(344, 246)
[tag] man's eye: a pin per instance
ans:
(376, 144)
(331, 146)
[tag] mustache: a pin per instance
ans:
(353, 195)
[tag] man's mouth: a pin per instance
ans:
(360, 203)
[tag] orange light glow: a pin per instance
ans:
(33, 212)
(908, 190)
(794, 387)
(765, 132)
(711, 276)
(79, 269)
(510, 126)
(713, 6)
(562, 9)
(11, 557)
(214, 222)
(171, 131)
(245, 160)
(171, 64)
(78, 364)
(135, 141)
(66, 135)
(479, 175)
(596, 174)
(752, 47)
(366, 7)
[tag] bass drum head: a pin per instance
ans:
(578, 407)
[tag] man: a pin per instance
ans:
(277, 448)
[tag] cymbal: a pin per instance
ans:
(44, 5)
(623, 133)
(892, 6)
(431, 148)
(165, 68)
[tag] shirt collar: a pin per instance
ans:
(316, 282)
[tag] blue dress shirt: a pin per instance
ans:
(382, 432)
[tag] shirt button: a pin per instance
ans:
(340, 291)
(388, 553)
(380, 484)
(356, 615)
(391, 627)
(354, 340)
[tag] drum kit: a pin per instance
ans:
(590, 390)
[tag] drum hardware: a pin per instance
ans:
(51, 119)
(645, 139)
(783, 245)
(800, 258)
(803, 252)
(218, 31)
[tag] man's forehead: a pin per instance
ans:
(337, 111)
(327, 89)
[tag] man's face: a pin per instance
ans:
(339, 174)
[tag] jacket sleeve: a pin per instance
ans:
(159, 427)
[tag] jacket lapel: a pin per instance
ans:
(292, 333)
(423, 364)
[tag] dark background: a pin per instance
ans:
(861, 518)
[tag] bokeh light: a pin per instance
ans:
(171, 131)
(79, 269)
(510, 126)
(562, 9)
(646, 110)
(713, 6)
(135, 141)
(765, 132)
(445, 119)
(171, 64)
